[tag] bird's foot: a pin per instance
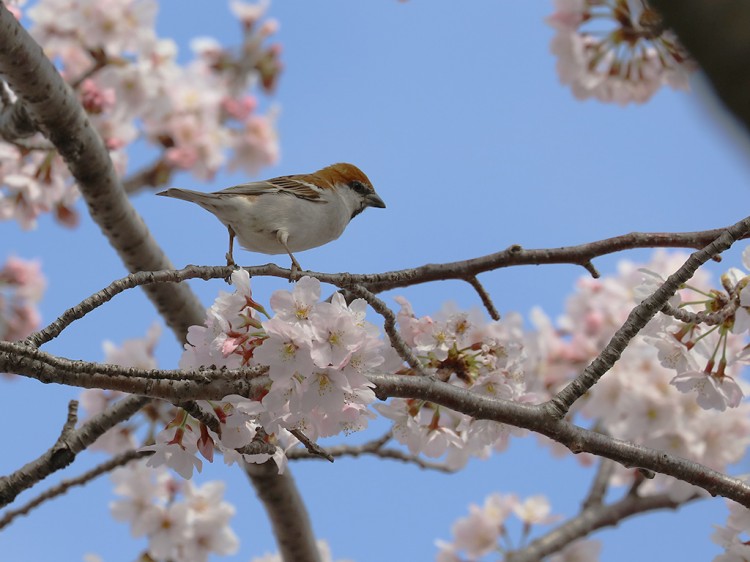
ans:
(230, 263)
(295, 272)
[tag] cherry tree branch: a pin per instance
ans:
(600, 484)
(115, 462)
(389, 326)
(592, 518)
(388, 280)
(516, 255)
(52, 105)
(71, 442)
(559, 405)
(485, 297)
(131, 281)
(577, 439)
(536, 418)
(293, 537)
(172, 385)
(704, 316)
(373, 448)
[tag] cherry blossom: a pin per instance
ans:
(138, 353)
(176, 447)
(317, 355)
(616, 50)
(22, 286)
(534, 511)
(187, 528)
(131, 85)
(463, 349)
(484, 530)
(714, 391)
(635, 400)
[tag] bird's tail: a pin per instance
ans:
(188, 195)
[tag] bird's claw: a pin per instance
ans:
(295, 272)
(230, 263)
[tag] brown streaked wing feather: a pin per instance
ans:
(284, 184)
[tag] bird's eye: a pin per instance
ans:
(359, 187)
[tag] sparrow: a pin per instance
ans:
(289, 213)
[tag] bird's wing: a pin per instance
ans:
(285, 184)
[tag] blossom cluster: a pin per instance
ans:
(616, 50)
(462, 349)
(318, 355)
(485, 531)
(643, 398)
(21, 288)
(181, 521)
(197, 117)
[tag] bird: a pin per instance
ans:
(288, 214)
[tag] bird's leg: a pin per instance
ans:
(229, 256)
(282, 236)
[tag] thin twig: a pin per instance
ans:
(311, 446)
(714, 318)
(206, 418)
(100, 62)
(390, 328)
(600, 484)
(485, 296)
(71, 442)
(374, 448)
(61, 488)
(103, 296)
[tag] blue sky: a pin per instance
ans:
(456, 115)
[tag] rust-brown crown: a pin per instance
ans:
(341, 173)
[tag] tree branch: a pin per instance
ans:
(485, 297)
(374, 449)
(52, 105)
(171, 385)
(61, 488)
(68, 445)
(389, 326)
(591, 519)
(276, 489)
(577, 439)
(383, 281)
(559, 405)
(600, 484)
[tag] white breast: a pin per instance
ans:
(256, 222)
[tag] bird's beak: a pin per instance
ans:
(373, 200)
